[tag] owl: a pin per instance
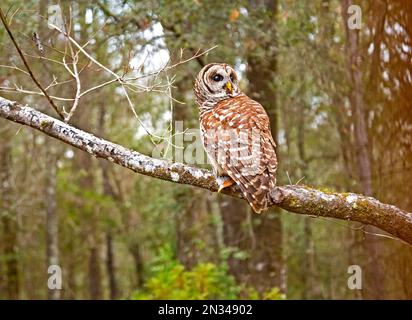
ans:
(235, 132)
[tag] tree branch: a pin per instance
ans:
(294, 198)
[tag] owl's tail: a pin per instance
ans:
(257, 191)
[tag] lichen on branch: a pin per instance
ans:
(294, 198)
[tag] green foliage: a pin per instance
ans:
(171, 280)
(204, 281)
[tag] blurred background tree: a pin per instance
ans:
(340, 107)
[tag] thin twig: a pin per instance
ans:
(74, 73)
(15, 68)
(167, 67)
(43, 58)
(21, 90)
(57, 83)
(78, 90)
(126, 83)
(97, 87)
(49, 99)
(84, 51)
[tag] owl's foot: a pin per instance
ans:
(225, 184)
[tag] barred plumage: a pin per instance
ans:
(236, 134)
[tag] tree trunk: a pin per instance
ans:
(111, 271)
(95, 288)
(8, 214)
(373, 288)
(267, 255)
(108, 192)
(134, 248)
(84, 165)
(309, 290)
(236, 235)
(52, 249)
(52, 230)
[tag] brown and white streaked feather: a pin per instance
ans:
(236, 134)
(230, 132)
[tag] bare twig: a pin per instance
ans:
(21, 90)
(97, 87)
(15, 68)
(126, 83)
(70, 61)
(75, 74)
(49, 99)
(78, 90)
(84, 51)
(168, 67)
(43, 58)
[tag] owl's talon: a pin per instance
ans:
(225, 184)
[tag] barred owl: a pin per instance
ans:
(235, 131)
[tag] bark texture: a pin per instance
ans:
(294, 198)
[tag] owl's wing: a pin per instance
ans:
(237, 137)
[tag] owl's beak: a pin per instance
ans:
(229, 88)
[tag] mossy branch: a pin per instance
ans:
(293, 198)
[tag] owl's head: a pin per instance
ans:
(216, 82)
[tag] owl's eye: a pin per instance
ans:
(217, 77)
(232, 77)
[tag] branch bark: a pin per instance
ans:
(294, 198)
